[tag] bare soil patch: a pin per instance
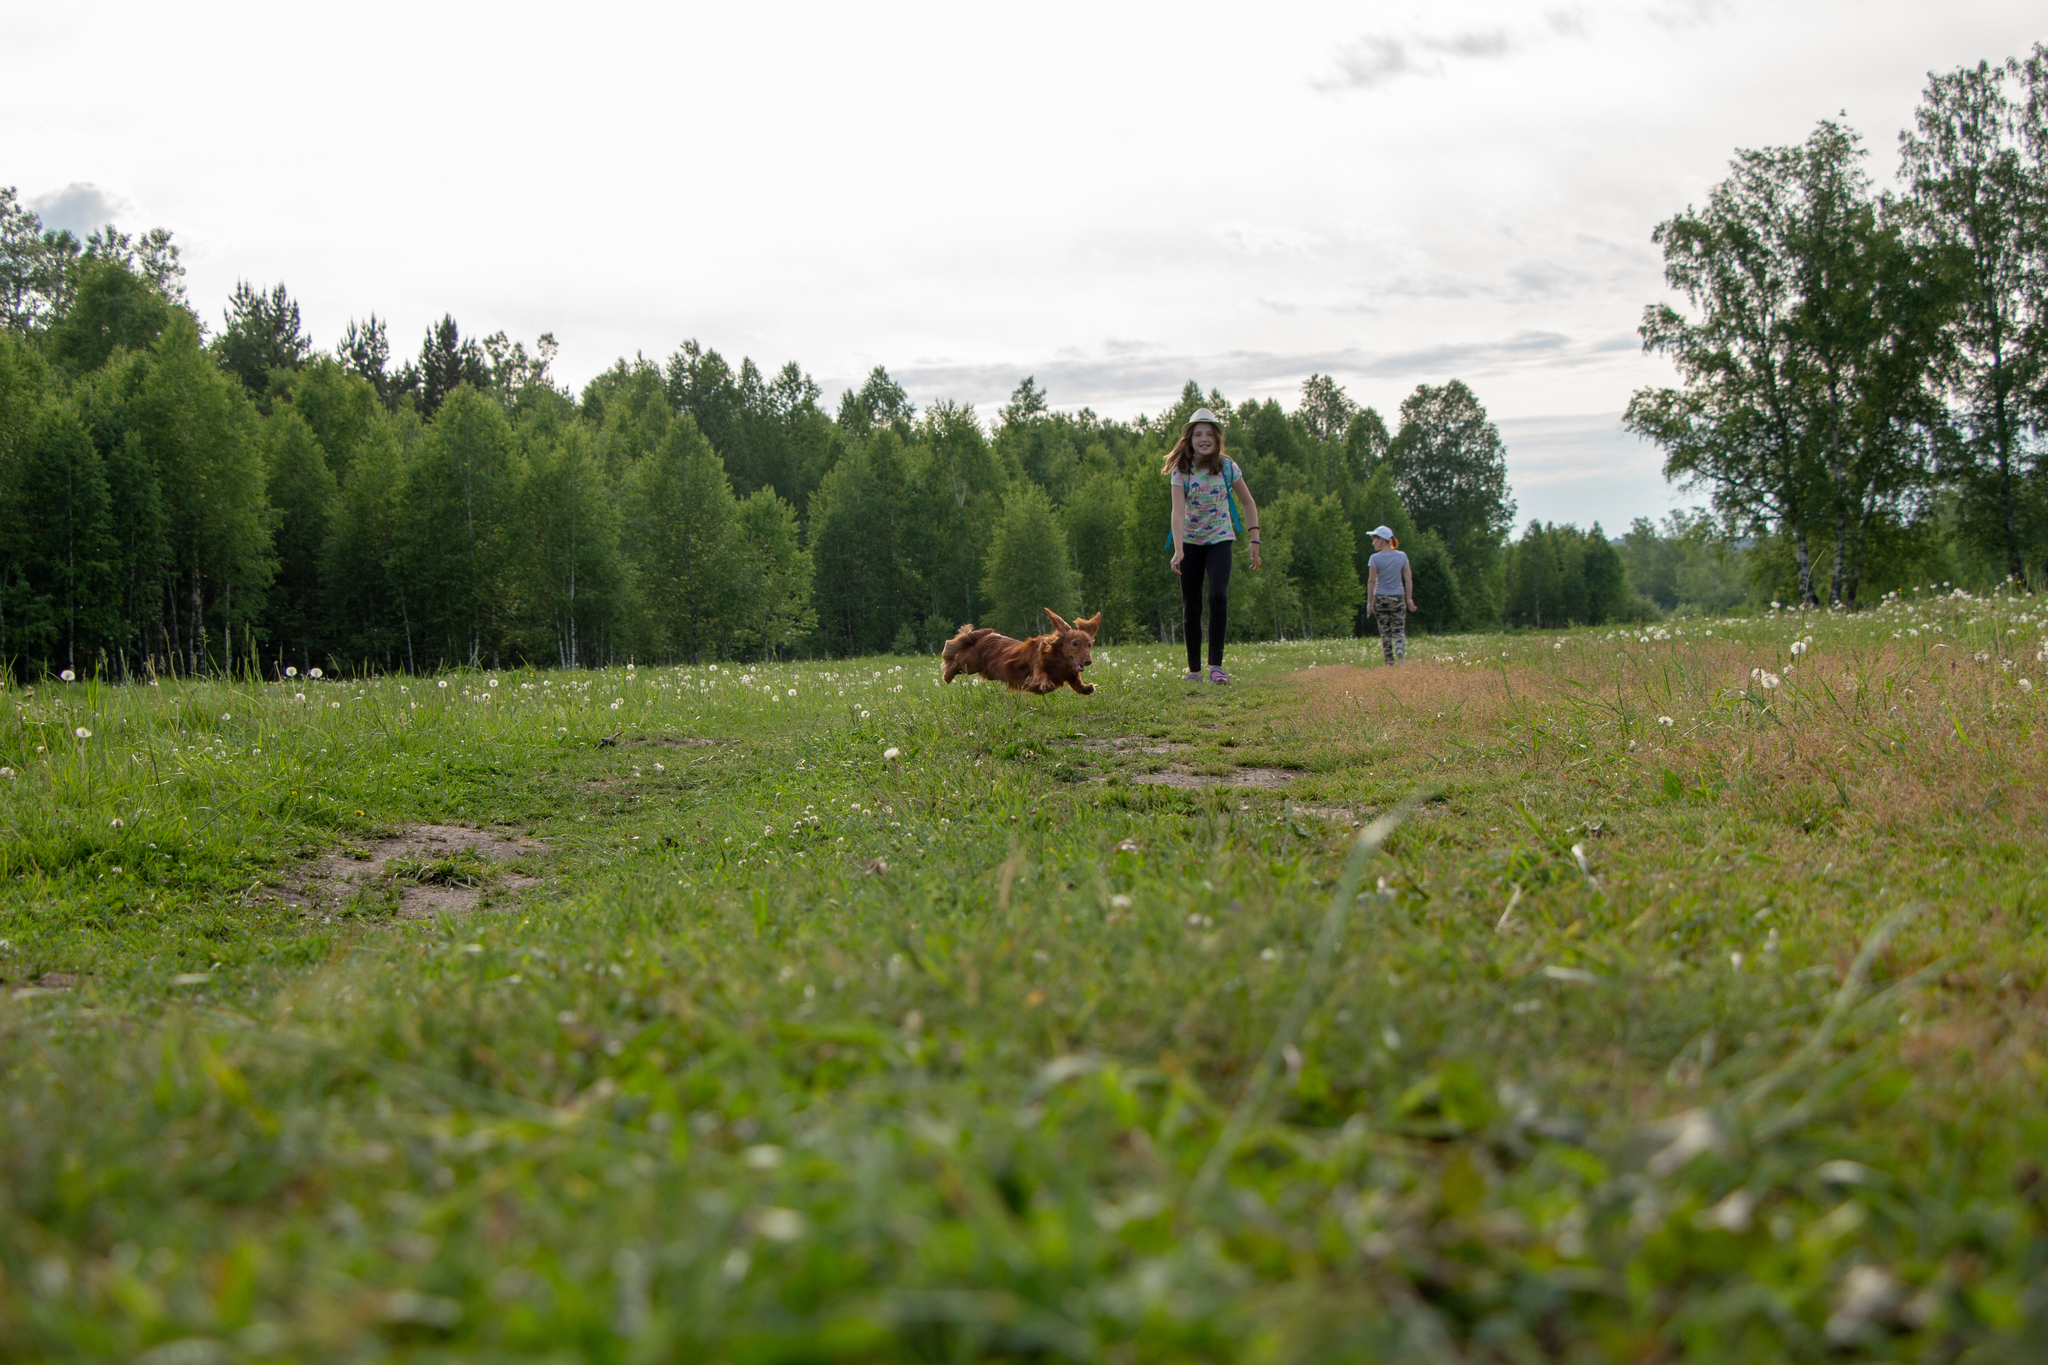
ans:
(49, 983)
(436, 869)
(1269, 779)
(1130, 744)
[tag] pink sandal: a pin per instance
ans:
(1217, 675)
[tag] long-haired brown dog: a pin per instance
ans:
(1043, 663)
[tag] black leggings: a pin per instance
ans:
(1215, 560)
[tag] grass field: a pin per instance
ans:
(1598, 996)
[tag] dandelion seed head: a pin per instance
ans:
(314, 673)
(82, 733)
(298, 696)
(115, 823)
(291, 672)
(892, 753)
(1666, 720)
(1799, 646)
(6, 774)
(443, 683)
(68, 676)
(2026, 684)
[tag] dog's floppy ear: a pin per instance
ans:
(1088, 625)
(1057, 624)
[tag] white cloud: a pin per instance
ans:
(79, 208)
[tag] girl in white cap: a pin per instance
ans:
(1206, 486)
(1390, 587)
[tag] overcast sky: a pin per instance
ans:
(1112, 197)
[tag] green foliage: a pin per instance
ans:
(1685, 564)
(1976, 163)
(1322, 563)
(35, 267)
(261, 343)
(1027, 570)
(1450, 470)
(571, 571)
(303, 493)
(456, 531)
(1853, 356)
(1439, 602)
(111, 307)
(1558, 576)
(57, 554)
(199, 430)
(858, 536)
(773, 573)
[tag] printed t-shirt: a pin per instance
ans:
(1389, 563)
(1208, 500)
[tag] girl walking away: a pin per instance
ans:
(1207, 487)
(1390, 586)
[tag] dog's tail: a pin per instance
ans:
(957, 643)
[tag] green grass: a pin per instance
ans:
(1680, 1016)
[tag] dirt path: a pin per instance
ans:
(434, 869)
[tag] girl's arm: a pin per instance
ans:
(1251, 518)
(1372, 581)
(1180, 525)
(1408, 582)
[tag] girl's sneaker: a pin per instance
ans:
(1217, 675)
(1192, 676)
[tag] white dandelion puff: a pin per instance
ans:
(68, 676)
(892, 753)
(6, 774)
(116, 823)
(82, 732)
(2026, 684)
(1666, 721)
(291, 672)
(313, 673)
(443, 683)
(1799, 646)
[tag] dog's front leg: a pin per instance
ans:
(1084, 688)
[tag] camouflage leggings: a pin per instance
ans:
(1391, 615)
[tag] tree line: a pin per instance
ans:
(1864, 375)
(173, 495)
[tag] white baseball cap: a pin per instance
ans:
(1383, 532)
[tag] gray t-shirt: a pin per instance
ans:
(1389, 563)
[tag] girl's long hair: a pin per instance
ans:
(1393, 542)
(1181, 459)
